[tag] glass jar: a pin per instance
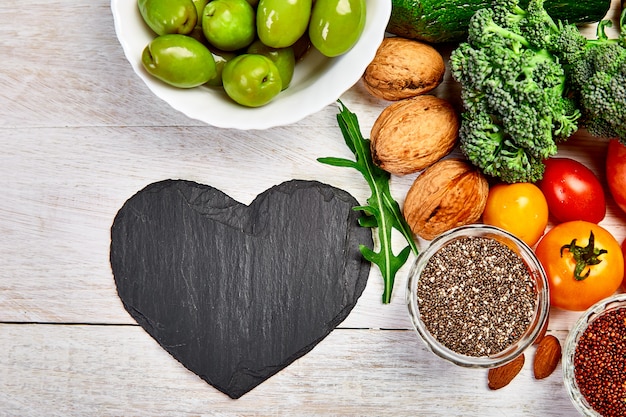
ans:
(610, 305)
(537, 319)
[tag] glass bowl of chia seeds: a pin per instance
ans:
(594, 359)
(478, 296)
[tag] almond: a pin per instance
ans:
(547, 357)
(500, 376)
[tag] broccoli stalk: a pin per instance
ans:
(596, 73)
(514, 91)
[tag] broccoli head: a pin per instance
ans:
(569, 44)
(513, 89)
(603, 99)
(596, 74)
(491, 149)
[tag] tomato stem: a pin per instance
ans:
(584, 256)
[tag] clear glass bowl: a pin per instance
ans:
(597, 310)
(535, 269)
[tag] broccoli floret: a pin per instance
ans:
(538, 26)
(603, 99)
(514, 91)
(596, 74)
(569, 44)
(496, 22)
(492, 151)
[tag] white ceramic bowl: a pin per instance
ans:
(318, 81)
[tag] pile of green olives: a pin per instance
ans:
(247, 47)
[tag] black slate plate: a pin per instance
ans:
(234, 292)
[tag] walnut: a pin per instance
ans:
(412, 134)
(450, 193)
(403, 68)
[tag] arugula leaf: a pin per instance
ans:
(381, 211)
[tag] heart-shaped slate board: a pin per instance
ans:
(234, 292)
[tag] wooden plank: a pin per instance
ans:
(57, 370)
(80, 134)
(63, 188)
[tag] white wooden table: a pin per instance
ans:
(79, 134)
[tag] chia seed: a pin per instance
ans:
(476, 296)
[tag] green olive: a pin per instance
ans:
(284, 59)
(221, 58)
(229, 24)
(251, 80)
(336, 25)
(200, 5)
(281, 23)
(169, 16)
(198, 35)
(179, 60)
(302, 46)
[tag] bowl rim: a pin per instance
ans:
(616, 301)
(539, 319)
(216, 109)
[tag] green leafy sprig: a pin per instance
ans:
(381, 211)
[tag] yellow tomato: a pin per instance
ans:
(520, 209)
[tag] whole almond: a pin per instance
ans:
(501, 376)
(547, 356)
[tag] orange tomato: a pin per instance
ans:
(624, 253)
(584, 264)
(519, 208)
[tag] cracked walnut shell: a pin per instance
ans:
(412, 134)
(450, 193)
(403, 68)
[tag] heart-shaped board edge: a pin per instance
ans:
(236, 293)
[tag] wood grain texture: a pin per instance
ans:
(80, 134)
(120, 370)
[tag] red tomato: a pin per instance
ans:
(572, 191)
(584, 264)
(616, 172)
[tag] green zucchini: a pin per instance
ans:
(439, 21)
